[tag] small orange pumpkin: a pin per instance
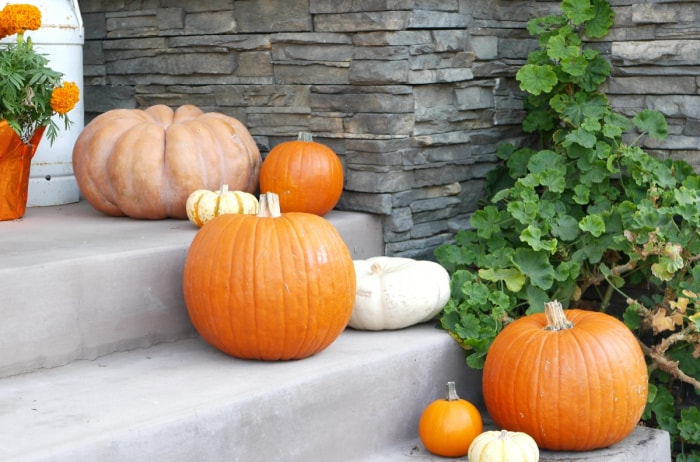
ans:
(574, 380)
(306, 175)
(269, 286)
(448, 426)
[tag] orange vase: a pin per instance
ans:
(15, 162)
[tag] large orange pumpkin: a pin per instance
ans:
(306, 175)
(145, 163)
(269, 286)
(574, 380)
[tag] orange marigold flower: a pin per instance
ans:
(20, 17)
(64, 98)
(5, 29)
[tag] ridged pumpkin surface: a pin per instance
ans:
(145, 163)
(575, 389)
(270, 288)
(306, 175)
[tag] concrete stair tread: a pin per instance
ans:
(185, 401)
(48, 235)
(643, 445)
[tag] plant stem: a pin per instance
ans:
(451, 392)
(556, 318)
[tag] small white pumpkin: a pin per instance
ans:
(203, 205)
(396, 292)
(503, 446)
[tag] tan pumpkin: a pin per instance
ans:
(146, 163)
(503, 446)
(203, 205)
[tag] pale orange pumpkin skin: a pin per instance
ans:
(269, 288)
(145, 163)
(576, 389)
(307, 176)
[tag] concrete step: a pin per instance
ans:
(77, 284)
(98, 361)
(643, 445)
(185, 401)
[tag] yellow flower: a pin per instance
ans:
(64, 98)
(17, 18)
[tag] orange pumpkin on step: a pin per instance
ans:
(574, 380)
(306, 175)
(448, 426)
(270, 286)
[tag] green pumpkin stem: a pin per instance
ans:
(305, 136)
(451, 392)
(269, 205)
(556, 318)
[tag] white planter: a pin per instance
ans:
(61, 38)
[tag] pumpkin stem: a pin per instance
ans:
(305, 136)
(451, 392)
(556, 318)
(224, 189)
(269, 205)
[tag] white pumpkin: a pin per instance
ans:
(503, 446)
(203, 205)
(396, 292)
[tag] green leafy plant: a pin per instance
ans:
(587, 217)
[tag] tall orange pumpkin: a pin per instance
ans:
(269, 286)
(146, 163)
(306, 175)
(574, 380)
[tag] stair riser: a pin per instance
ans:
(86, 308)
(347, 409)
(120, 296)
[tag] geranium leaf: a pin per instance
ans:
(486, 221)
(582, 138)
(593, 224)
(603, 20)
(689, 425)
(558, 49)
(536, 79)
(513, 278)
(536, 266)
(651, 122)
(596, 74)
(578, 11)
(566, 228)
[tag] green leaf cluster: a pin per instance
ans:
(25, 89)
(586, 215)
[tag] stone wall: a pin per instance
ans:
(413, 95)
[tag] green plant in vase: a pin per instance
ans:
(587, 217)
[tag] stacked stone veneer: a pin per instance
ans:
(414, 95)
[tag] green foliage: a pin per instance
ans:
(26, 88)
(588, 217)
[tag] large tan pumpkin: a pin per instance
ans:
(145, 163)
